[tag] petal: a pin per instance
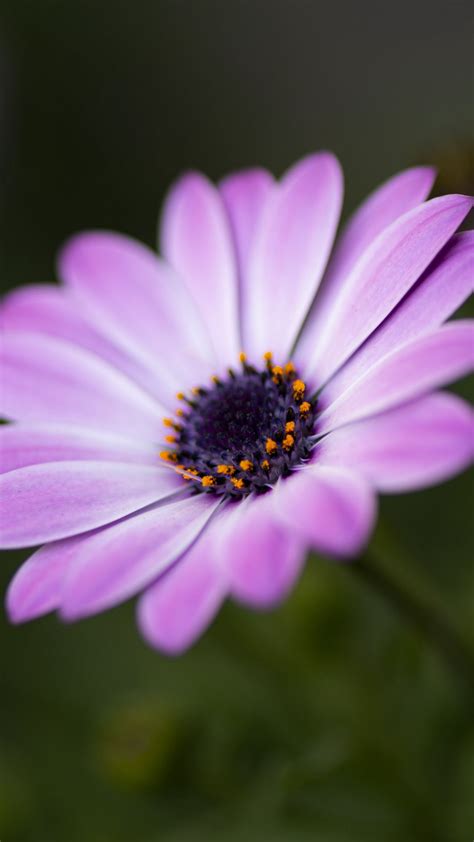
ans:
(46, 379)
(332, 508)
(37, 586)
(46, 502)
(52, 310)
(290, 254)
(395, 197)
(245, 196)
(117, 562)
(380, 279)
(26, 444)
(445, 285)
(176, 610)
(417, 367)
(262, 558)
(413, 446)
(197, 241)
(139, 303)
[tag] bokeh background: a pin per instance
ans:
(330, 719)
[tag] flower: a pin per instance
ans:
(186, 427)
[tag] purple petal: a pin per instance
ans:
(122, 559)
(413, 446)
(417, 367)
(176, 610)
(37, 586)
(46, 502)
(197, 241)
(440, 291)
(140, 304)
(245, 196)
(51, 310)
(263, 559)
(290, 254)
(45, 379)
(26, 444)
(395, 197)
(380, 279)
(332, 508)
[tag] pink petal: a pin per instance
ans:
(262, 559)
(290, 254)
(417, 367)
(413, 446)
(440, 291)
(333, 509)
(122, 559)
(395, 197)
(45, 502)
(197, 241)
(46, 379)
(380, 279)
(245, 196)
(37, 586)
(52, 310)
(140, 304)
(176, 610)
(26, 444)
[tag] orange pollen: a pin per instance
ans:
(170, 439)
(290, 369)
(168, 456)
(265, 465)
(215, 379)
(298, 389)
(305, 407)
(168, 422)
(242, 357)
(290, 427)
(277, 371)
(288, 442)
(180, 396)
(246, 465)
(267, 356)
(239, 483)
(270, 446)
(208, 481)
(180, 413)
(225, 469)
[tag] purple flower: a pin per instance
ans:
(187, 427)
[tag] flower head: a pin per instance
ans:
(187, 427)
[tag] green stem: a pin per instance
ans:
(436, 628)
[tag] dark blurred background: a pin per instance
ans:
(330, 719)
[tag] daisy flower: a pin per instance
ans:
(186, 427)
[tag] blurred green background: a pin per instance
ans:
(330, 719)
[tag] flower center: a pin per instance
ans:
(243, 433)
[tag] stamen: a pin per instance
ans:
(305, 407)
(169, 456)
(288, 442)
(208, 481)
(290, 427)
(226, 469)
(246, 465)
(271, 446)
(299, 389)
(237, 483)
(170, 439)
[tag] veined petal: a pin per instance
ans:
(139, 303)
(445, 285)
(262, 558)
(380, 279)
(45, 379)
(120, 560)
(245, 196)
(290, 254)
(387, 203)
(176, 610)
(413, 369)
(196, 240)
(54, 500)
(31, 444)
(410, 447)
(332, 508)
(53, 310)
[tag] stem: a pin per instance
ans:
(435, 627)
